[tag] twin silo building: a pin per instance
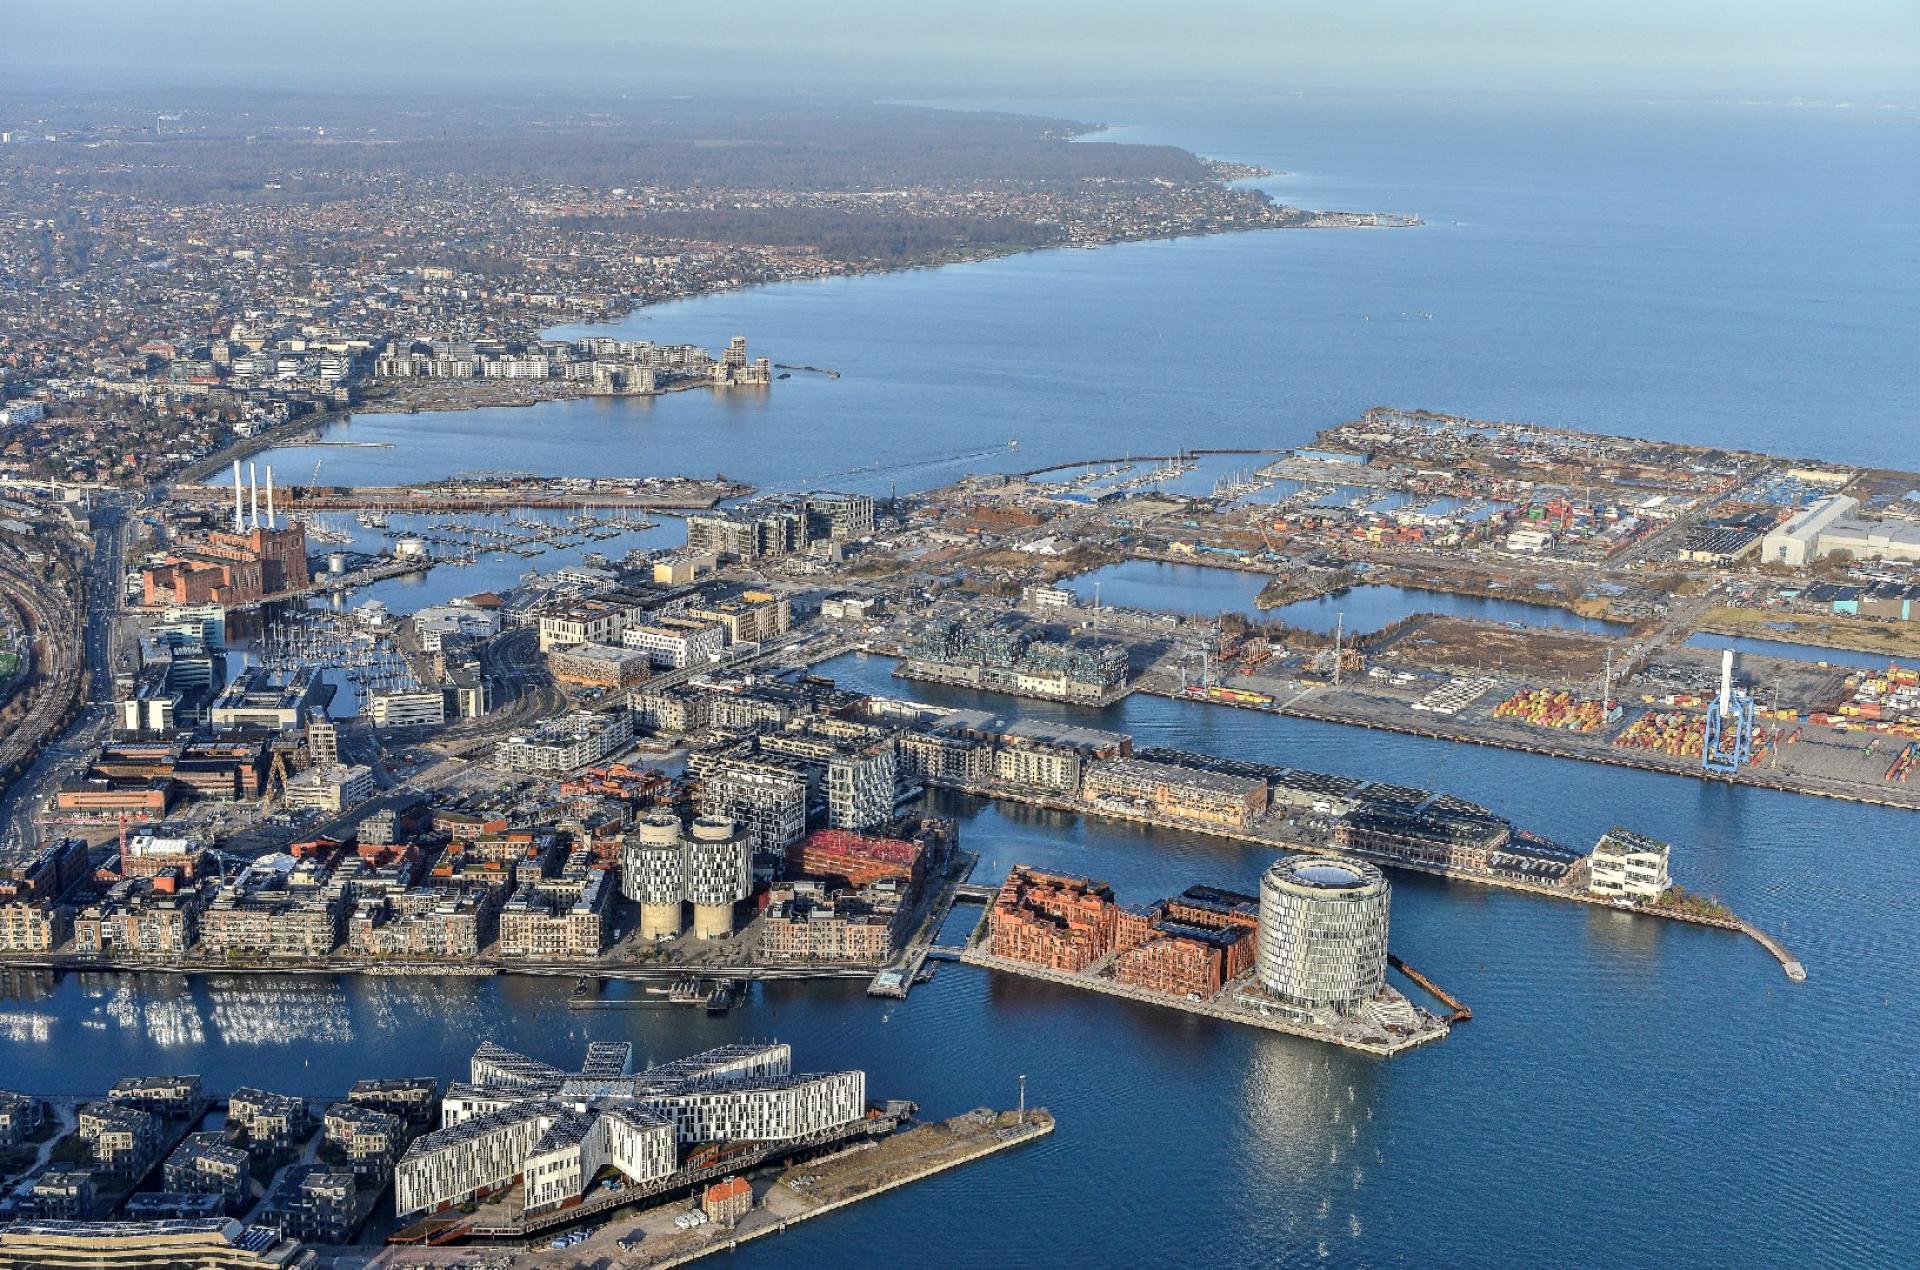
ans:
(663, 869)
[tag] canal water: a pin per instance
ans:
(1368, 608)
(1790, 651)
(1629, 1092)
(1201, 590)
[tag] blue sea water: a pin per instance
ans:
(1732, 275)
(1629, 1093)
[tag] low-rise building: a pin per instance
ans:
(727, 1200)
(1629, 865)
(1183, 793)
(330, 789)
(212, 1243)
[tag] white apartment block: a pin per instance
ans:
(556, 1131)
(1629, 865)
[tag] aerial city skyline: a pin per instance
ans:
(617, 638)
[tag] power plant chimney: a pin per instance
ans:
(253, 494)
(239, 514)
(270, 496)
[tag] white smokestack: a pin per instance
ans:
(239, 514)
(270, 496)
(1726, 682)
(253, 493)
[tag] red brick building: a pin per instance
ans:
(1047, 919)
(230, 568)
(1184, 960)
(856, 859)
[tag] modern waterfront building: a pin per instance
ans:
(1051, 920)
(1183, 793)
(313, 1202)
(1629, 865)
(677, 642)
(862, 786)
(556, 1133)
(1323, 934)
(369, 1139)
(662, 869)
(207, 1164)
(266, 1120)
(765, 796)
(600, 665)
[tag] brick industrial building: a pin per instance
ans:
(1050, 920)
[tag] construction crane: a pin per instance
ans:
(277, 778)
(1728, 745)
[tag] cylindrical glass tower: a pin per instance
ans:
(1323, 933)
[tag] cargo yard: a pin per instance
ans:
(1500, 584)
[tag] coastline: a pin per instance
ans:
(311, 429)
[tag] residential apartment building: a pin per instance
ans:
(1184, 793)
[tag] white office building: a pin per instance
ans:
(1629, 865)
(556, 1131)
(1323, 934)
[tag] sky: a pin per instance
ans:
(940, 46)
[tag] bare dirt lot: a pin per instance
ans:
(1455, 643)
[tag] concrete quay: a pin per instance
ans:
(1900, 796)
(1222, 1006)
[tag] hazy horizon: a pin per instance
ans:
(946, 48)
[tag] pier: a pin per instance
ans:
(1228, 1005)
(809, 1189)
(1461, 1012)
